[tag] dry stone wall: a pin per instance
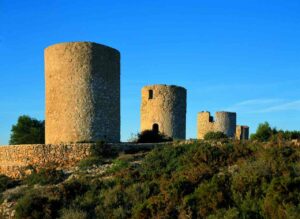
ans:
(15, 158)
(82, 93)
(164, 106)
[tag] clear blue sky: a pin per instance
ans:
(232, 55)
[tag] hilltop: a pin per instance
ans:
(197, 179)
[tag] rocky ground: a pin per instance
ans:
(104, 171)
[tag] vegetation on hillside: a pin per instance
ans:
(202, 179)
(197, 180)
(152, 136)
(215, 136)
(265, 133)
(100, 152)
(27, 131)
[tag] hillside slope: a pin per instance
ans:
(181, 180)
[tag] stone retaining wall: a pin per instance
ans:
(15, 158)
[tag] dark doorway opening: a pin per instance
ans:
(155, 128)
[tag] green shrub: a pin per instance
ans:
(231, 213)
(150, 136)
(73, 214)
(71, 189)
(45, 176)
(118, 165)
(7, 183)
(215, 136)
(88, 162)
(34, 206)
(99, 153)
(209, 197)
(28, 131)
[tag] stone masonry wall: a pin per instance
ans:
(224, 122)
(82, 93)
(15, 158)
(165, 106)
(204, 124)
(242, 132)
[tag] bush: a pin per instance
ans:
(88, 162)
(99, 153)
(37, 207)
(7, 183)
(150, 136)
(73, 214)
(215, 136)
(45, 176)
(28, 131)
(118, 165)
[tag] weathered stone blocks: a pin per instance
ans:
(163, 108)
(224, 122)
(242, 132)
(14, 159)
(82, 93)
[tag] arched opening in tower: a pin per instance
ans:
(155, 128)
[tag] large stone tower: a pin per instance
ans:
(82, 93)
(163, 108)
(224, 122)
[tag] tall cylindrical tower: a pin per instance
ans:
(226, 123)
(163, 108)
(82, 93)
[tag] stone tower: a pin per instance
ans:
(163, 108)
(224, 122)
(82, 93)
(242, 132)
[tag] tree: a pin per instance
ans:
(28, 131)
(264, 132)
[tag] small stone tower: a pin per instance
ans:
(224, 122)
(242, 132)
(82, 93)
(163, 108)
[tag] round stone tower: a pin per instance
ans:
(82, 93)
(163, 109)
(226, 123)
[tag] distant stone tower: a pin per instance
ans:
(224, 122)
(163, 108)
(82, 93)
(242, 132)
